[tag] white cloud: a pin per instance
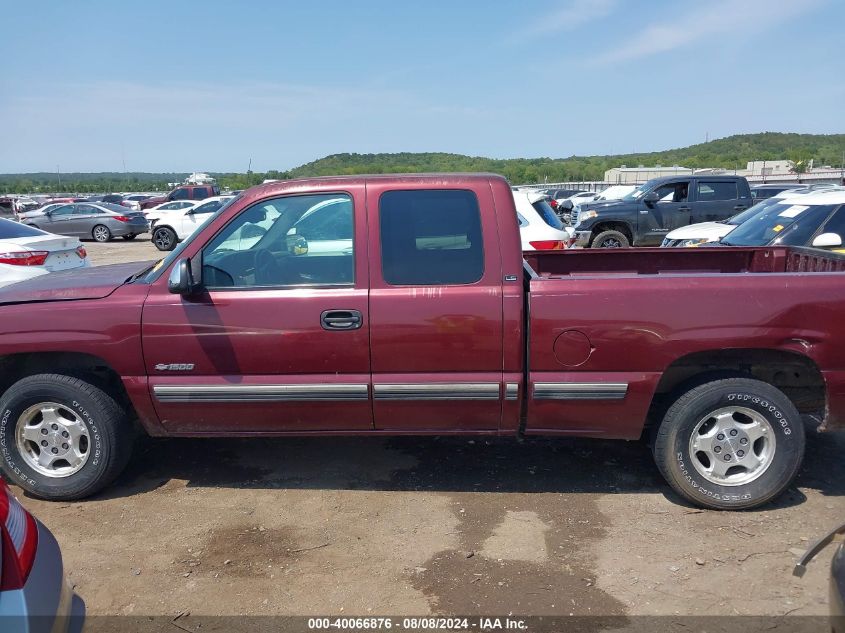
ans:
(574, 14)
(707, 20)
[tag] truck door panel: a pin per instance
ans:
(717, 200)
(672, 211)
(435, 309)
(259, 350)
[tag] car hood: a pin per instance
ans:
(601, 204)
(79, 283)
(711, 231)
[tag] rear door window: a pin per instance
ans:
(180, 194)
(713, 191)
(430, 237)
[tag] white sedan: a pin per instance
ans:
(27, 252)
(539, 226)
(172, 222)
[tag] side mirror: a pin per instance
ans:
(297, 245)
(652, 197)
(181, 279)
(827, 240)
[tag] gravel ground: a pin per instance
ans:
(372, 526)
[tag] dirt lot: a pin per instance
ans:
(436, 525)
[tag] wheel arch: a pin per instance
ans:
(795, 374)
(14, 367)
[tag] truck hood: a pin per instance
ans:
(79, 283)
(601, 204)
(711, 231)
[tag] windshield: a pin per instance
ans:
(547, 213)
(785, 223)
(637, 193)
(153, 273)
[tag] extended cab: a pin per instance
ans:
(379, 305)
(644, 216)
(183, 192)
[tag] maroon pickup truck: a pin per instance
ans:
(183, 192)
(386, 305)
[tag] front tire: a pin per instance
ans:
(730, 444)
(101, 233)
(62, 438)
(610, 239)
(165, 238)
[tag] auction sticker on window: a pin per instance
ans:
(794, 211)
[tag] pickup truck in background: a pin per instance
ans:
(644, 216)
(183, 192)
(404, 306)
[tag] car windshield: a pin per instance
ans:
(786, 222)
(11, 230)
(547, 213)
(152, 273)
(637, 193)
(750, 212)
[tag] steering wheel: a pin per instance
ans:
(268, 272)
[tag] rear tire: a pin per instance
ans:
(101, 233)
(83, 433)
(610, 239)
(730, 444)
(165, 238)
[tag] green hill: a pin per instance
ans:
(730, 152)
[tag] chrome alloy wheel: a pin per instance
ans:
(52, 439)
(732, 446)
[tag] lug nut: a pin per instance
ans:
(65, 434)
(717, 449)
(55, 451)
(720, 436)
(64, 446)
(55, 427)
(727, 457)
(43, 442)
(744, 441)
(734, 432)
(740, 453)
(44, 431)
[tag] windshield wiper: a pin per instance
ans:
(142, 272)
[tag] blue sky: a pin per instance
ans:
(184, 85)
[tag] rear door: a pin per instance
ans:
(670, 212)
(716, 200)
(279, 338)
(435, 308)
(84, 218)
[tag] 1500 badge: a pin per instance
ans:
(174, 367)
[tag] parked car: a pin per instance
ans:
(27, 252)
(816, 219)
(711, 232)
(34, 593)
(761, 192)
(172, 222)
(646, 215)
(101, 221)
(183, 192)
(539, 226)
(837, 575)
(421, 325)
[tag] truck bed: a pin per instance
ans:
(674, 261)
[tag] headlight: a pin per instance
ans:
(692, 242)
(586, 215)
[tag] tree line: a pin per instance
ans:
(732, 152)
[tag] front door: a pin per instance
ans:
(278, 340)
(435, 309)
(671, 211)
(60, 220)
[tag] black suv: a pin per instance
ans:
(647, 214)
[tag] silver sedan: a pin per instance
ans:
(100, 221)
